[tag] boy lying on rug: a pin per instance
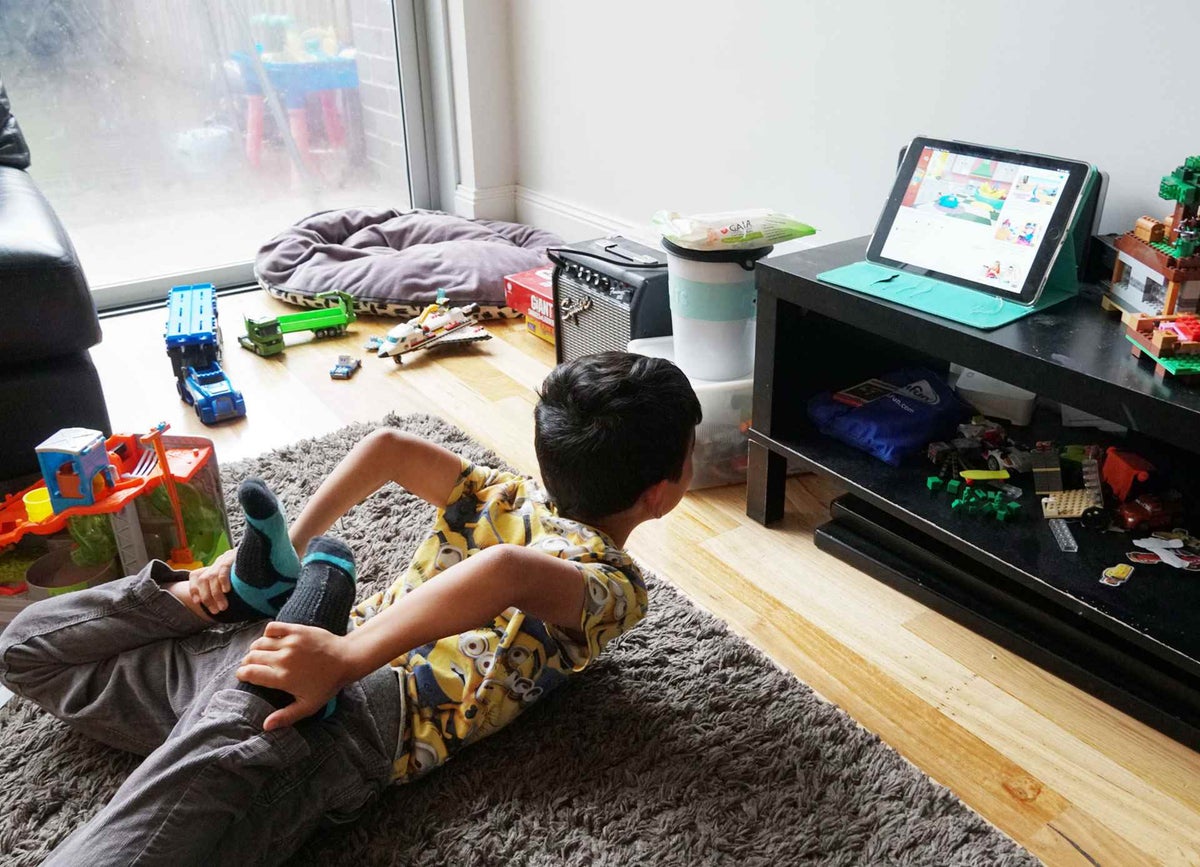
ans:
(257, 734)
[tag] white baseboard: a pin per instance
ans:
(575, 222)
(486, 203)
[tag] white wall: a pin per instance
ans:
(626, 107)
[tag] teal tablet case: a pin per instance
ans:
(977, 309)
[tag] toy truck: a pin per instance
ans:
(193, 341)
(264, 334)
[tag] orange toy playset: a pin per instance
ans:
(105, 508)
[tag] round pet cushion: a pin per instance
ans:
(394, 262)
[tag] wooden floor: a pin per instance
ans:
(1075, 781)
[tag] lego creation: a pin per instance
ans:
(438, 325)
(264, 334)
(1171, 341)
(1158, 263)
(193, 341)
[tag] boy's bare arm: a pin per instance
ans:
(313, 664)
(385, 455)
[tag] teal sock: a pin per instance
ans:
(323, 597)
(265, 571)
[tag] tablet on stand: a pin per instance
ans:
(977, 234)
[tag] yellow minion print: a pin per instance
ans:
(465, 687)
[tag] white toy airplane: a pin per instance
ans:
(437, 324)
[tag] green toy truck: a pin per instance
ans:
(264, 334)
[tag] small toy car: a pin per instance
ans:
(1011, 458)
(346, 367)
(1150, 512)
(984, 430)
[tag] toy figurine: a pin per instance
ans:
(437, 325)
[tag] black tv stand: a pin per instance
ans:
(1136, 646)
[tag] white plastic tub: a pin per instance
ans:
(713, 304)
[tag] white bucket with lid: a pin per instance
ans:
(713, 305)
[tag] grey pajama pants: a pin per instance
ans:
(128, 665)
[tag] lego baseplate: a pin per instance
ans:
(1070, 504)
(1180, 365)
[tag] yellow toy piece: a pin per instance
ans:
(1115, 576)
(984, 475)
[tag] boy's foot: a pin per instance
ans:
(323, 597)
(264, 574)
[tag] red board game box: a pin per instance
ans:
(531, 292)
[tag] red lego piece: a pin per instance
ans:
(1122, 469)
(1187, 327)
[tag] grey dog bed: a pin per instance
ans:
(394, 262)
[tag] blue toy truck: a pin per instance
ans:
(194, 346)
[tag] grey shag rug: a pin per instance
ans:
(683, 745)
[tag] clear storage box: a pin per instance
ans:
(722, 439)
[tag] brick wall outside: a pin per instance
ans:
(373, 34)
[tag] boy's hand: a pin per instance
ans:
(309, 662)
(209, 584)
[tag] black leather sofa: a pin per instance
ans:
(47, 318)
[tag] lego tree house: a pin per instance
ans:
(1158, 263)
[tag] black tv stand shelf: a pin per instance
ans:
(1136, 646)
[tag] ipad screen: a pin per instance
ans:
(976, 218)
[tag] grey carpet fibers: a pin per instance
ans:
(683, 745)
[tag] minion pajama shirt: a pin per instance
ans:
(464, 687)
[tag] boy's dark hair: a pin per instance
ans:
(608, 426)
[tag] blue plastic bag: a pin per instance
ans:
(896, 415)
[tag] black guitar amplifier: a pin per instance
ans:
(606, 293)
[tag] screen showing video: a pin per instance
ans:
(974, 218)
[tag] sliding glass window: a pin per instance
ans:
(175, 137)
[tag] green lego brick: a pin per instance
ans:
(935, 483)
(1165, 247)
(1179, 365)
(954, 486)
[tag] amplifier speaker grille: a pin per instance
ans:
(603, 327)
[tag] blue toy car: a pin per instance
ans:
(345, 368)
(213, 396)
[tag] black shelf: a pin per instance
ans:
(1136, 645)
(1073, 352)
(1076, 649)
(1157, 609)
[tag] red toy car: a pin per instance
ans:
(1150, 512)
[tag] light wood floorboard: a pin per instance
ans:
(1074, 780)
